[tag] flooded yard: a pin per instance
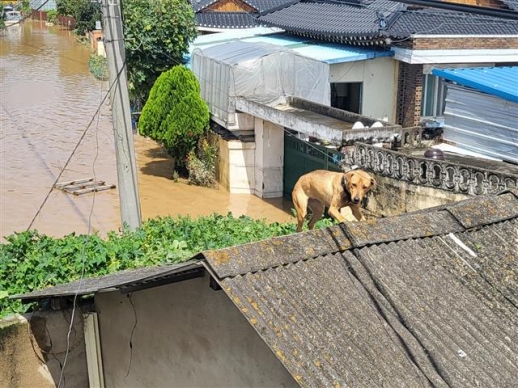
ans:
(48, 99)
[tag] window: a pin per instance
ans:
(347, 96)
(434, 96)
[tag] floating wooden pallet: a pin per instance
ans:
(83, 186)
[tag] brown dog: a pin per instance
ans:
(334, 190)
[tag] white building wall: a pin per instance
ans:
(269, 159)
(183, 335)
(379, 77)
(241, 167)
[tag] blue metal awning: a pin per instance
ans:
(497, 81)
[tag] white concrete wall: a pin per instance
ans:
(241, 167)
(394, 197)
(379, 84)
(269, 159)
(183, 335)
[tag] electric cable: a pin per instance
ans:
(83, 255)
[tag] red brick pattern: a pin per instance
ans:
(409, 95)
(464, 43)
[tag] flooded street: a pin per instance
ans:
(48, 98)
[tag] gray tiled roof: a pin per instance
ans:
(269, 5)
(511, 4)
(198, 5)
(207, 18)
(449, 23)
(226, 20)
(259, 5)
(329, 20)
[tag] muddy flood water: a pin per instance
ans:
(48, 98)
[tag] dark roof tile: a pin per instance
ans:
(198, 5)
(424, 283)
(226, 20)
(347, 20)
(330, 19)
(511, 4)
(449, 23)
(268, 5)
(259, 5)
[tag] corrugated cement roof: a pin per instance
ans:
(133, 278)
(497, 81)
(424, 299)
(457, 217)
(439, 311)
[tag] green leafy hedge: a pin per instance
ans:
(98, 66)
(31, 261)
(157, 34)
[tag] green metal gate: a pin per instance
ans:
(301, 157)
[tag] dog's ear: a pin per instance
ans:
(373, 184)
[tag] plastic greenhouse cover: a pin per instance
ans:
(260, 72)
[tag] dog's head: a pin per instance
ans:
(358, 183)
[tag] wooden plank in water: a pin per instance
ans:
(59, 185)
(83, 186)
(91, 189)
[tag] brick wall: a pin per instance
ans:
(409, 95)
(464, 43)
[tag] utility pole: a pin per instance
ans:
(123, 132)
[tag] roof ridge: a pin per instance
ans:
(472, 213)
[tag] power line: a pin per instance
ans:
(83, 261)
(73, 152)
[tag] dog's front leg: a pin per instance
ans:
(335, 213)
(357, 213)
